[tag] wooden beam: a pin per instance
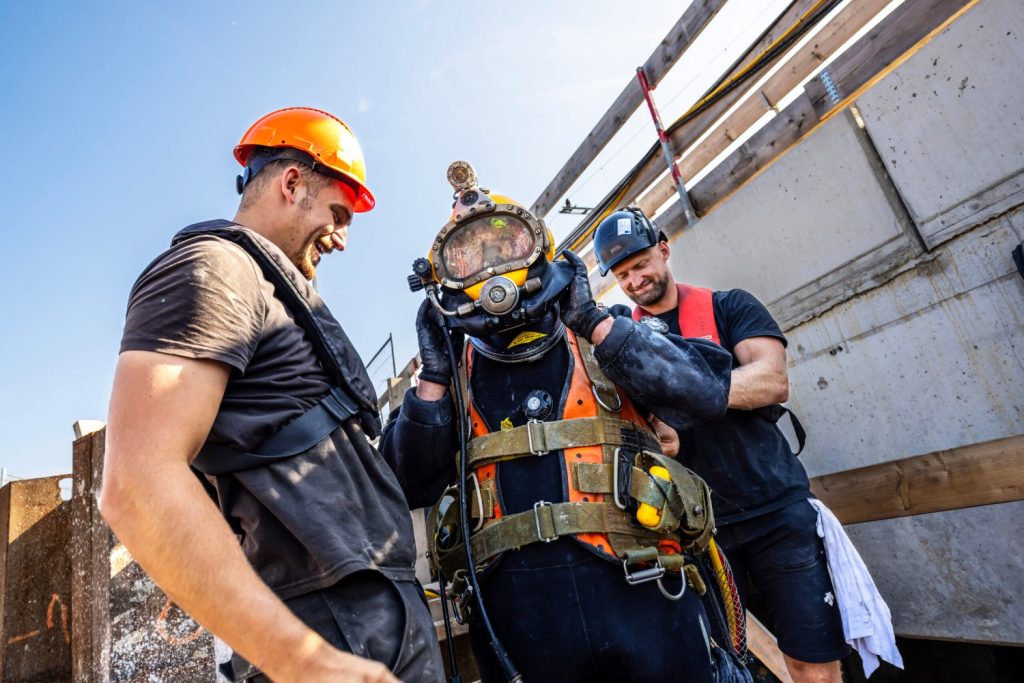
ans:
(897, 37)
(980, 474)
(763, 645)
(90, 565)
(752, 157)
(690, 25)
(914, 23)
(798, 67)
(885, 47)
(683, 137)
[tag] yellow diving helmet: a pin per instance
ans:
(490, 269)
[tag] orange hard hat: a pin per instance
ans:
(331, 145)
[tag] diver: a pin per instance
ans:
(590, 542)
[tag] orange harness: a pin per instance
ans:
(581, 401)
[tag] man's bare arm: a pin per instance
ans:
(761, 380)
(161, 410)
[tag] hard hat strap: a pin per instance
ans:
(257, 162)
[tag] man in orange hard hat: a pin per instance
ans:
(232, 364)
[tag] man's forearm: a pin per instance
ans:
(757, 385)
(419, 442)
(178, 536)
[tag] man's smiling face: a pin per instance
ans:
(644, 276)
(320, 227)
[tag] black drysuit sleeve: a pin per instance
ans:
(682, 381)
(419, 443)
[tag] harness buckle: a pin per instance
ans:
(460, 602)
(615, 480)
(529, 437)
(479, 502)
(615, 393)
(638, 576)
(537, 507)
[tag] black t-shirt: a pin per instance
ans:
(743, 456)
(307, 521)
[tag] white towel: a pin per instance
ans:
(867, 621)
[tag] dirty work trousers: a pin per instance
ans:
(371, 616)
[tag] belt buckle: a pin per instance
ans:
(529, 437)
(642, 575)
(536, 520)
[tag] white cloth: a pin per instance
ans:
(867, 621)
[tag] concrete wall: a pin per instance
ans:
(884, 249)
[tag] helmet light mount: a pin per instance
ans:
(461, 176)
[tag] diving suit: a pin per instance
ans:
(561, 457)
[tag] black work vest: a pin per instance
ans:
(330, 343)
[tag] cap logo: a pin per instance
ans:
(624, 226)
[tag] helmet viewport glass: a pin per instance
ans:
(489, 241)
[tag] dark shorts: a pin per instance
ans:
(371, 616)
(780, 559)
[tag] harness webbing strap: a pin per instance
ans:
(537, 438)
(605, 392)
(298, 436)
(547, 522)
(600, 478)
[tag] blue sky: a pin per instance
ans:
(119, 119)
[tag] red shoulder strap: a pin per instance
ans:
(696, 313)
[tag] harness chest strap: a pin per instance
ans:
(549, 521)
(600, 478)
(538, 438)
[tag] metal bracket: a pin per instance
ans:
(643, 575)
(529, 437)
(536, 520)
(479, 501)
(615, 480)
(618, 400)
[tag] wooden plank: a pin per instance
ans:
(980, 474)
(756, 154)
(690, 25)
(683, 137)
(896, 36)
(798, 67)
(752, 157)
(762, 643)
(880, 51)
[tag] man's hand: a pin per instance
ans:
(436, 373)
(328, 665)
(579, 310)
(667, 437)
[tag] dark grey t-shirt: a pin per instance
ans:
(308, 521)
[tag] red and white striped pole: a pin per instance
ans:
(688, 213)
